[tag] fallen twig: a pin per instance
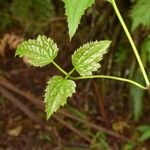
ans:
(24, 109)
(101, 103)
(72, 128)
(5, 83)
(40, 105)
(20, 105)
(94, 126)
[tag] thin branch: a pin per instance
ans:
(69, 74)
(59, 68)
(20, 105)
(94, 126)
(101, 103)
(72, 128)
(131, 41)
(5, 83)
(36, 101)
(112, 78)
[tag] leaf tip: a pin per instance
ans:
(48, 116)
(110, 1)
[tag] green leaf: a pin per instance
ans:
(74, 11)
(140, 14)
(129, 146)
(145, 136)
(137, 98)
(57, 91)
(145, 47)
(145, 130)
(86, 58)
(110, 1)
(40, 52)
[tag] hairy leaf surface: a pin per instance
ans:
(57, 91)
(74, 11)
(86, 58)
(40, 52)
(140, 14)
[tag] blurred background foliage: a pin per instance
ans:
(32, 16)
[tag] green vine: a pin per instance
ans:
(68, 75)
(85, 60)
(131, 41)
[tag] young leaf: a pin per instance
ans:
(74, 11)
(57, 91)
(140, 14)
(86, 58)
(40, 52)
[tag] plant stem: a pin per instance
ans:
(112, 78)
(68, 75)
(131, 41)
(59, 68)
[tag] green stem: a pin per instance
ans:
(112, 78)
(68, 75)
(131, 41)
(59, 68)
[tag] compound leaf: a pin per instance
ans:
(40, 52)
(140, 14)
(86, 58)
(74, 11)
(57, 91)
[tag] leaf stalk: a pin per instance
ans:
(131, 41)
(59, 68)
(112, 78)
(68, 75)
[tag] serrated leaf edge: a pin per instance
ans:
(70, 95)
(84, 45)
